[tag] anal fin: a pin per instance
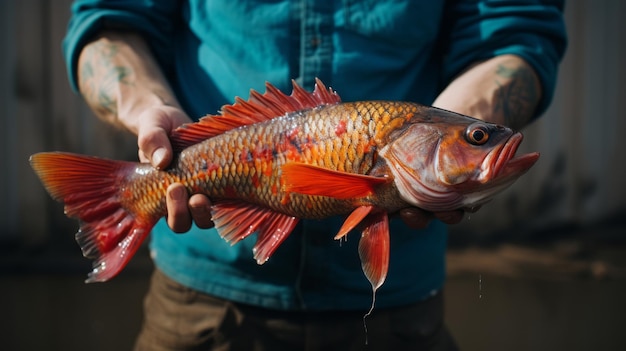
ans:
(236, 220)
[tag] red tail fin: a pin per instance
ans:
(90, 189)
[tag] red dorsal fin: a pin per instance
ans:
(317, 181)
(236, 220)
(259, 107)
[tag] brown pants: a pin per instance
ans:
(179, 318)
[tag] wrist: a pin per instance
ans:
(504, 90)
(131, 106)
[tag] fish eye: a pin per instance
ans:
(477, 134)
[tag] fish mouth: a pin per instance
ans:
(501, 168)
(504, 164)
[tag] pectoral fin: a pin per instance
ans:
(318, 181)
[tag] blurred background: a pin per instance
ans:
(542, 267)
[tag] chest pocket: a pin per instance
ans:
(396, 21)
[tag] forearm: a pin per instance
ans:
(122, 83)
(503, 90)
(119, 78)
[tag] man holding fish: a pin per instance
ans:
(150, 67)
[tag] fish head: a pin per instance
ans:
(454, 161)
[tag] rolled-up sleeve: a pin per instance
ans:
(155, 20)
(533, 30)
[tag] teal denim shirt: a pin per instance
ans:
(212, 51)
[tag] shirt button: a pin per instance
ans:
(315, 42)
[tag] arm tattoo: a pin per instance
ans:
(100, 76)
(517, 96)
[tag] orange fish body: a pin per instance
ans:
(249, 163)
(269, 161)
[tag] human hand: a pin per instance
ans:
(153, 127)
(417, 218)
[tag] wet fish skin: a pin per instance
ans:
(274, 159)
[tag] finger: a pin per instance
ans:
(472, 209)
(450, 217)
(142, 157)
(415, 218)
(200, 208)
(154, 145)
(155, 126)
(178, 216)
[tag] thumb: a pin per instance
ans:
(155, 126)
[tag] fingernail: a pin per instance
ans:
(177, 193)
(157, 157)
(450, 218)
(445, 218)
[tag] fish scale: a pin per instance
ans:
(314, 143)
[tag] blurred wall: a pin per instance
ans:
(578, 180)
(39, 112)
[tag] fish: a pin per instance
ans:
(274, 159)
